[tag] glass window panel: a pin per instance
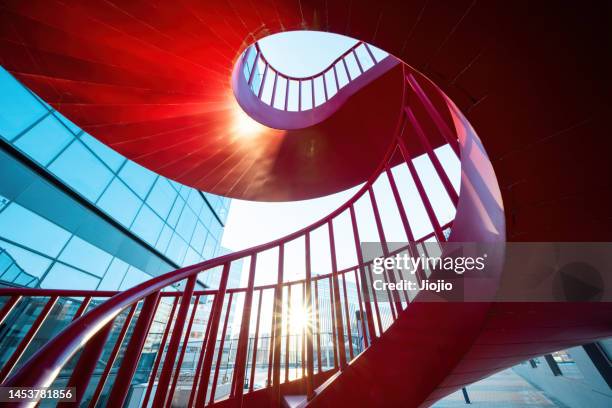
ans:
(364, 57)
(64, 277)
(82, 171)
(85, 256)
(164, 239)
(186, 224)
(191, 257)
(18, 107)
(281, 91)
(133, 277)
(161, 197)
(114, 275)
(30, 262)
(195, 201)
(45, 140)
(138, 178)
(319, 91)
(112, 159)
(306, 95)
(176, 212)
(67, 123)
(147, 225)
(119, 202)
(31, 230)
(176, 249)
(199, 236)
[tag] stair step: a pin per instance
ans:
(294, 401)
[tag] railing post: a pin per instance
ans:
(274, 89)
(212, 340)
(318, 324)
(27, 338)
(448, 186)
(167, 369)
(277, 319)
(243, 339)
(254, 360)
(348, 317)
(308, 310)
(196, 377)
(357, 59)
(336, 294)
(263, 81)
(128, 366)
(366, 290)
(8, 307)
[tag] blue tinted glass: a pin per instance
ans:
(176, 212)
(28, 261)
(18, 108)
(133, 277)
(164, 239)
(73, 128)
(114, 275)
(112, 159)
(82, 171)
(63, 277)
(186, 224)
(33, 231)
(161, 197)
(176, 249)
(137, 177)
(199, 236)
(147, 225)
(195, 201)
(85, 256)
(45, 140)
(119, 202)
(191, 257)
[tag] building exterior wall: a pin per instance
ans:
(76, 214)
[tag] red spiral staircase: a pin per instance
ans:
(413, 351)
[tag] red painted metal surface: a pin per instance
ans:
(537, 201)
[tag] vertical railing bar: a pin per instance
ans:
(376, 309)
(133, 351)
(325, 87)
(215, 314)
(348, 317)
(220, 353)
(318, 324)
(336, 77)
(166, 373)
(312, 85)
(366, 293)
(361, 314)
(299, 96)
(252, 75)
(254, 360)
(194, 384)
(421, 190)
(270, 350)
(243, 339)
(274, 89)
(348, 74)
(287, 343)
(112, 357)
(396, 303)
(448, 186)
(287, 94)
(84, 304)
(435, 115)
(263, 81)
(333, 322)
(277, 324)
(336, 293)
(308, 324)
(357, 59)
(27, 339)
(179, 363)
(159, 355)
(370, 52)
(8, 307)
(303, 336)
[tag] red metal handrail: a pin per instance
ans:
(268, 70)
(44, 365)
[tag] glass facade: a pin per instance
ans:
(76, 214)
